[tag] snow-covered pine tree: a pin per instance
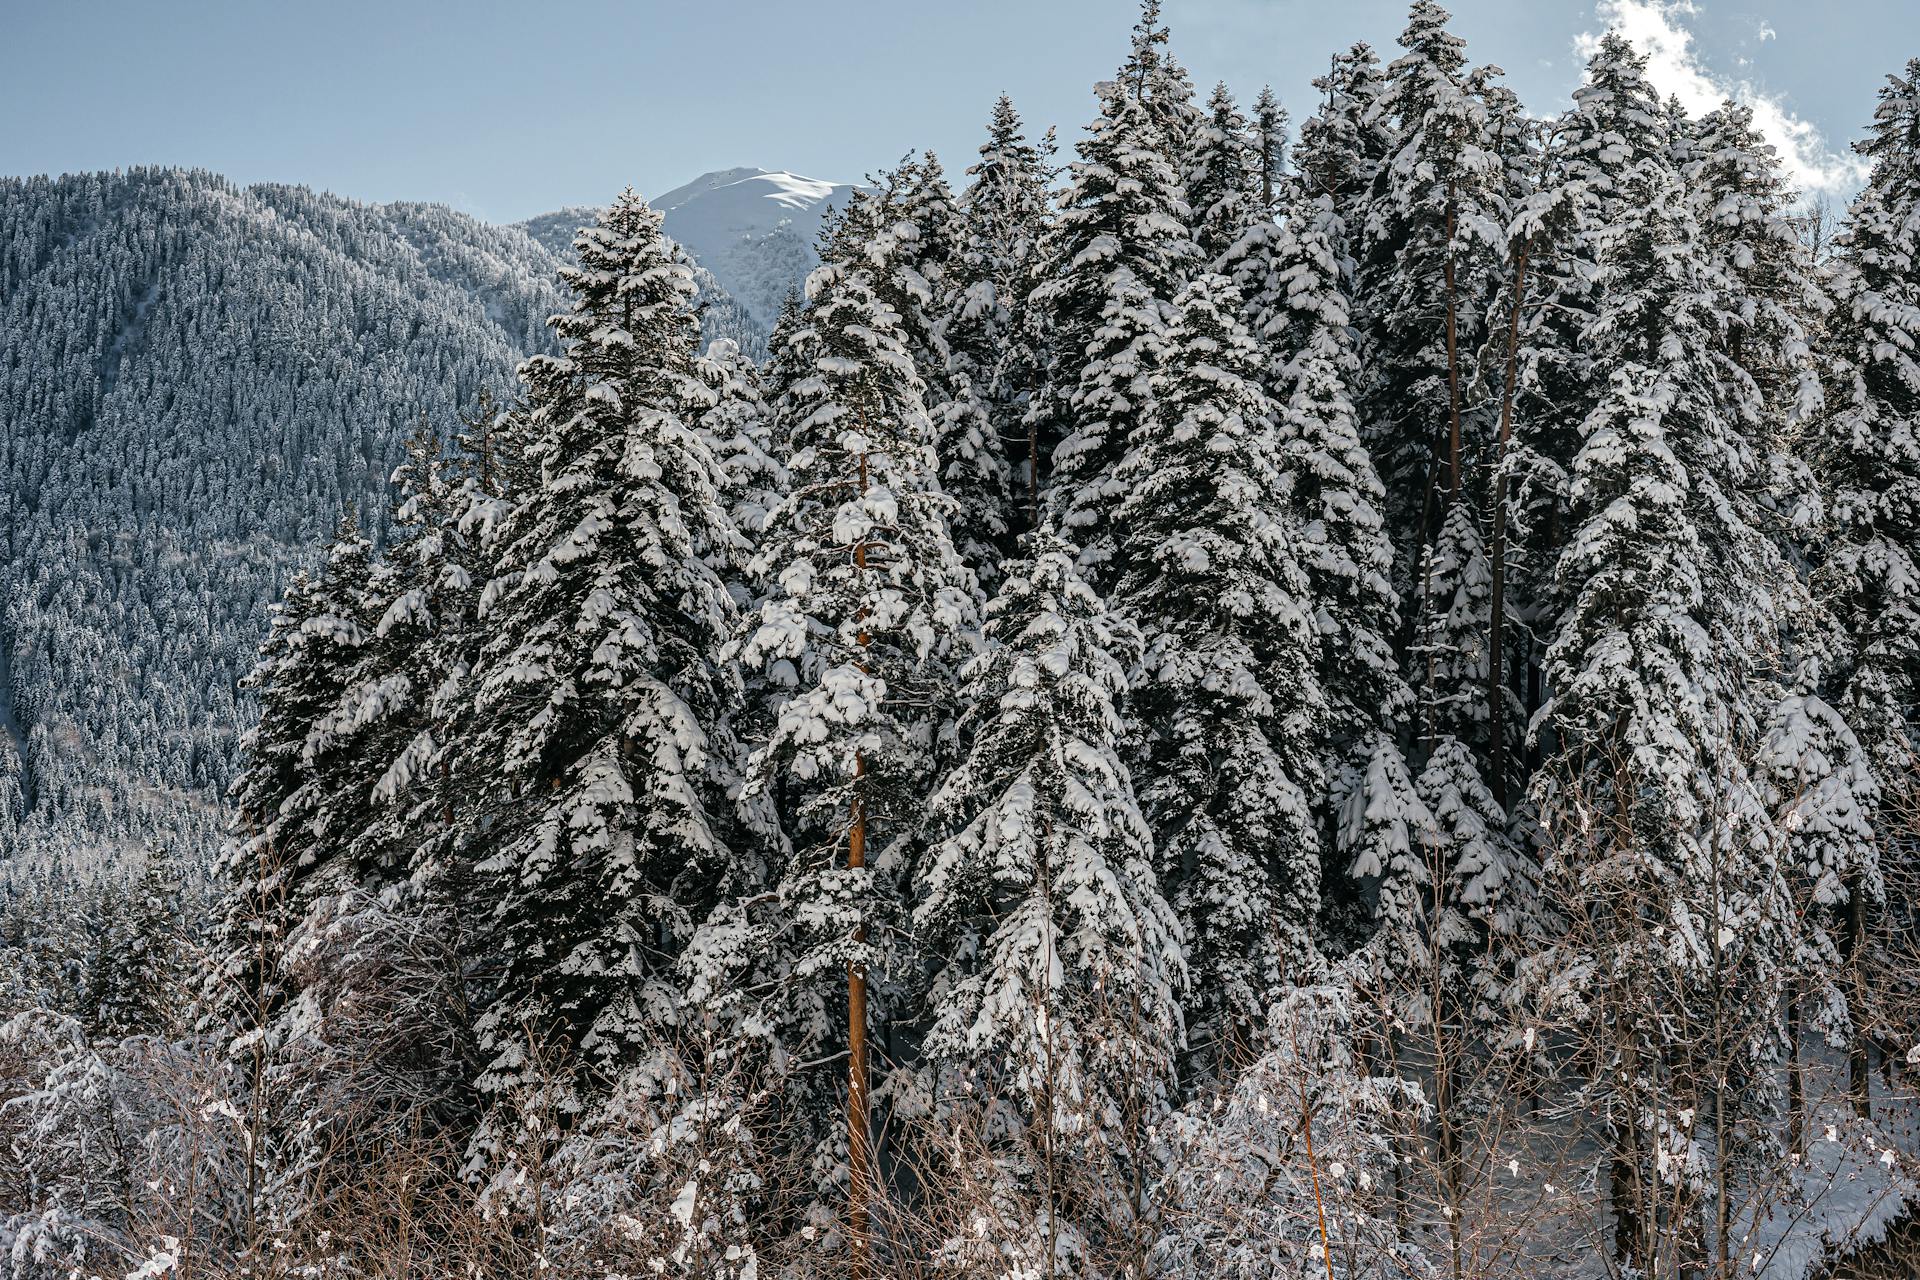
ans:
(907, 237)
(991, 334)
(1754, 240)
(600, 752)
(869, 613)
(1227, 704)
(1561, 212)
(1676, 895)
(305, 665)
(1432, 242)
(1269, 137)
(1450, 650)
(1155, 79)
(393, 721)
(1056, 1005)
(1370, 811)
(144, 979)
(1867, 445)
(1109, 266)
(1224, 178)
(738, 430)
(1344, 145)
(1821, 789)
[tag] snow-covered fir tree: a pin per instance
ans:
(990, 326)
(1344, 144)
(1060, 1008)
(1684, 905)
(1227, 706)
(1867, 444)
(869, 612)
(1432, 235)
(1368, 811)
(599, 753)
(738, 430)
(1110, 264)
(1224, 178)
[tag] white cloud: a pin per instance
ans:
(1657, 28)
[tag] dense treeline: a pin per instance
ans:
(1223, 709)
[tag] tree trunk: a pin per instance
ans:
(1857, 1064)
(859, 1135)
(1453, 363)
(859, 1132)
(1497, 614)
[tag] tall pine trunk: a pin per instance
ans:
(859, 1132)
(1857, 1062)
(1497, 552)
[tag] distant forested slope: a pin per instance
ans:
(196, 379)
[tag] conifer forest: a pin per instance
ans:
(1325, 690)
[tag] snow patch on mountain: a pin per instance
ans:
(754, 229)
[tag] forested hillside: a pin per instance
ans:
(1249, 703)
(195, 380)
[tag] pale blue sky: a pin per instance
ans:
(509, 109)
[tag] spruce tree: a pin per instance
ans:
(1110, 265)
(990, 324)
(1666, 576)
(1344, 145)
(738, 431)
(1370, 811)
(1867, 444)
(1227, 702)
(601, 752)
(869, 611)
(305, 664)
(1866, 448)
(1224, 177)
(1431, 241)
(1063, 994)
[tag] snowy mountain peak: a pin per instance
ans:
(749, 199)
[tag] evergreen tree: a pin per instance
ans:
(1227, 702)
(869, 612)
(1432, 239)
(1110, 265)
(1225, 175)
(1344, 145)
(305, 664)
(1156, 80)
(990, 324)
(1269, 126)
(601, 753)
(148, 964)
(1665, 574)
(1063, 992)
(1370, 812)
(738, 431)
(1867, 445)
(1866, 448)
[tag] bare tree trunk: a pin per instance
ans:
(859, 1132)
(1796, 1077)
(859, 1158)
